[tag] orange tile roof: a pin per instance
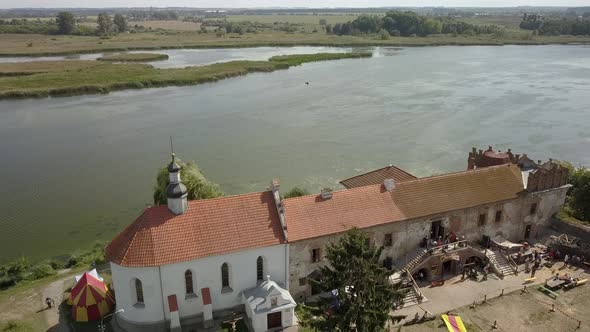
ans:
(362, 207)
(377, 177)
(209, 227)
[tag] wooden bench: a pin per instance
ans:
(529, 280)
(548, 292)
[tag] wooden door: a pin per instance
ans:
(274, 320)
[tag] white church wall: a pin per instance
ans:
(152, 310)
(207, 274)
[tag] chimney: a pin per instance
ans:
(326, 193)
(389, 184)
(274, 188)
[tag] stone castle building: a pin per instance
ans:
(189, 262)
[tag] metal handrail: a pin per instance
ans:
(494, 264)
(415, 286)
(510, 261)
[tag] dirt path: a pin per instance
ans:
(55, 291)
(29, 304)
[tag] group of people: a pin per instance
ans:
(566, 277)
(536, 264)
(574, 260)
(449, 238)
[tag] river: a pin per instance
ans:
(78, 169)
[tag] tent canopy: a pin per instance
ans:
(91, 299)
(93, 273)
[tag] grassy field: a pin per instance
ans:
(508, 21)
(293, 19)
(134, 57)
(64, 78)
(37, 45)
(168, 25)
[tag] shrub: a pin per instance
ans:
(296, 192)
(41, 271)
(15, 270)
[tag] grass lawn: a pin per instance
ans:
(36, 45)
(59, 78)
(565, 216)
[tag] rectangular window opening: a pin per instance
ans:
(482, 219)
(315, 255)
(388, 241)
(498, 215)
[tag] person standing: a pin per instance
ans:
(533, 270)
(565, 260)
(49, 302)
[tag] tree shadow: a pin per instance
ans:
(63, 324)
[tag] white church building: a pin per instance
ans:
(188, 262)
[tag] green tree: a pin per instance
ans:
(296, 192)
(198, 187)
(578, 199)
(120, 23)
(363, 295)
(66, 23)
(105, 25)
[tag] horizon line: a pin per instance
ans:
(294, 8)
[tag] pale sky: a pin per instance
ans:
(284, 3)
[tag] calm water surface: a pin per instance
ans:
(81, 168)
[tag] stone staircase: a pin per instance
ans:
(409, 261)
(501, 263)
(412, 297)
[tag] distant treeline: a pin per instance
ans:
(65, 23)
(554, 27)
(397, 23)
(166, 15)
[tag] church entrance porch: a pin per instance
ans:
(269, 306)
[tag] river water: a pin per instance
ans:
(78, 169)
(197, 57)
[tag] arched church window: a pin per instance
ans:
(188, 282)
(138, 291)
(259, 268)
(224, 275)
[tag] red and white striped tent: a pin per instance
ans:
(91, 299)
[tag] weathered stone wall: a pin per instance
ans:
(406, 235)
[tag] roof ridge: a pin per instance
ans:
(193, 201)
(488, 168)
(333, 192)
(373, 171)
(377, 170)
